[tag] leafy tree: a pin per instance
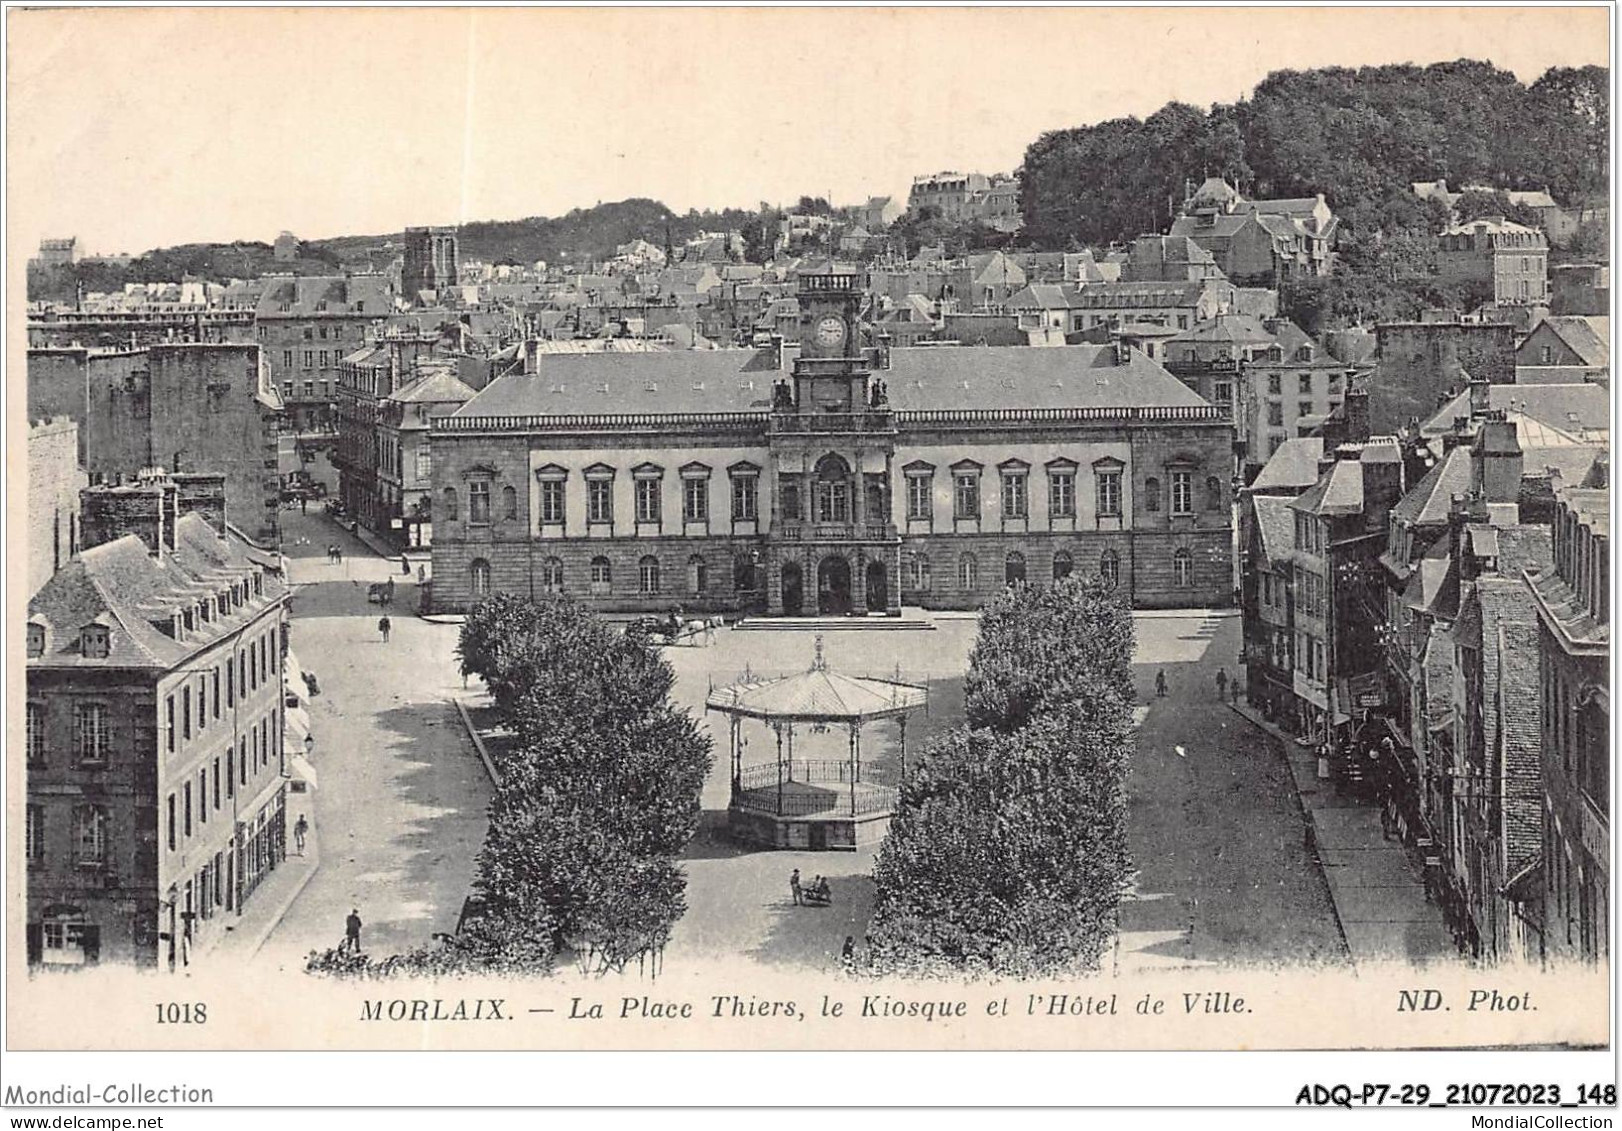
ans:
(1008, 853)
(1591, 243)
(1038, 646)
(600, 789)
(1359, 136)
(1571, 114)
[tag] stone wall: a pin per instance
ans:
(54, 481)
(204, 407)
(1420, 362)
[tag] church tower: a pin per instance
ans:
(834, 548)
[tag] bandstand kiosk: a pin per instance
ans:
(820, 803)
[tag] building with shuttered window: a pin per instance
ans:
(857, 479)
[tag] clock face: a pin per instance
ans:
(830, 331)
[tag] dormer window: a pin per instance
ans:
(93, 641)
(36, 640)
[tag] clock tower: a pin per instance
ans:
(833, 547)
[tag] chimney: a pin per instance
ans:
(200, 492)
(145, 506)
(1496, 461)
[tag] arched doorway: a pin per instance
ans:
(878, 587)
(833, 586)
(793, 590)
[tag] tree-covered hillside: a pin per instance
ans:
(1357, 136)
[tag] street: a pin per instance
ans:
(1216, 831)
(1223, 873)
(400, 808)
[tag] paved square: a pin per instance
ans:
(1223, 874)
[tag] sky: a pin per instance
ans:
(136, 128)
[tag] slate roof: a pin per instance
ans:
(1011, 377)
(314, 295)
(1553, 405)
(1106, 295)
(1588, 337)
(1275, 523)
(120, 584)
(1430, 500)
(1339, 491)
(1295, 464)
(1239, 329)
(1222, 225)
(1432, 588)
(436, 386)
(819, 695)
(714, 381)
(1044, 296)
(1570, 614)
(1291, 338)
(1214, 190)
(1286, 205)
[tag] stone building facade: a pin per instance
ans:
(1573, 607)
(193, 407)
(155, 796)
(1507, 260)
(306, 326)
(429, 262)
(860, 480)
(55, 479)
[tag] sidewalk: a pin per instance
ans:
(1377, 889)
(275, 894)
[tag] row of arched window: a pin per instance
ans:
(916, 570)
(650, 576)
(916, 573)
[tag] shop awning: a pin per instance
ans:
(293, 678)
(299, 767)
(296, 735)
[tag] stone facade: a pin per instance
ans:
(54, 481)
(1420, 362)
(743, 560)
(155, 800)
(195, 407)
(814, 492)
(429, 262)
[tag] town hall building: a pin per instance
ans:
(858, 479)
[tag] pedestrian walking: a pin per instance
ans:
(1222, 683)
(422, 575)
(303, 506)
(1160, 684)
(847, 953)
(383, 627)
(300, 830)
(352, 931)
(405, 566)
(794, 887)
